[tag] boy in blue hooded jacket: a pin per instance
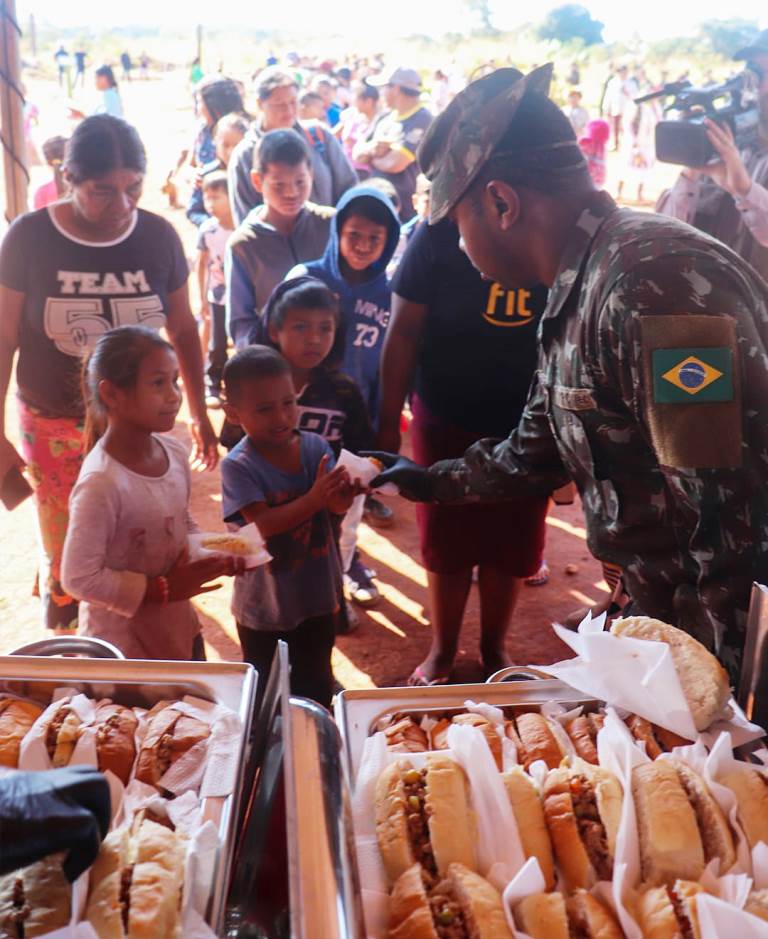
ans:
(364, 235)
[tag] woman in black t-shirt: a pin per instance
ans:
(68, 274)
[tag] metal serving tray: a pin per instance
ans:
(357, 712)
(142, 683)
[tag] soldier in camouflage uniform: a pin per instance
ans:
(652, 385)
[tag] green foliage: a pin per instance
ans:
(481, 9)
(727, 36)
(572, 23)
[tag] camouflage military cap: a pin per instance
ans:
(462, 138)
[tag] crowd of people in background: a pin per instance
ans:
(325, 303)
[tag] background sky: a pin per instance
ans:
(651, 19)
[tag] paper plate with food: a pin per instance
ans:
(247, 542)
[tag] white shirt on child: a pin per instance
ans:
(212, 237)
(123, 529)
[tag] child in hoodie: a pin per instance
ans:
(284, 231)
(364, 237)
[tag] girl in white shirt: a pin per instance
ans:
(125, 555)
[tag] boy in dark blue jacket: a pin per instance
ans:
(364, 236)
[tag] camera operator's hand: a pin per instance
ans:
(730, 173)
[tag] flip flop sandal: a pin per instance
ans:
(540, 578)
(418, 679)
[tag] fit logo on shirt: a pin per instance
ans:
(508, 307)
(81, 313)
(326, 422)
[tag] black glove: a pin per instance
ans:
(413, 481)
(54, 810)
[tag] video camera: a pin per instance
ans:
(684, 140)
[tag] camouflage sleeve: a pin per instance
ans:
(680, 340)
(526, 463)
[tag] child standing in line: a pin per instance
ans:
(284, 480)
(364, 236)
(284, 231)
(55, 188)
(125, 554)
(211, 246)
(302, 321)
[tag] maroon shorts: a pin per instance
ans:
(508, 536)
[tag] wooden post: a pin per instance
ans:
(200, 44)
(12, 114)
(32, 35)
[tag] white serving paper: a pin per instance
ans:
(499, 850)
(528, 880)
(720, 920)
(618, 754)
(635, 674)
(257, 555)
(363, 471)
(495, 716)
(373, 880)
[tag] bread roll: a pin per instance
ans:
(529, 815)
(703, 679)
(146, 865)
(461, 900)
(583, 732)
(35, 900)
(757, 904)
(589, 917)
(488, 731)
(534, 740)
(115, 739)
(170, 734)
(750, 786)
(715, 832)
(669, 912)
(670, 843)
(16, 717)
(543, 916)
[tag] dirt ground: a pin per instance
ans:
(394, 636)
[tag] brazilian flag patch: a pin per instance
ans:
(682, 376)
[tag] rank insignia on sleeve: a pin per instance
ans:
(692, 375)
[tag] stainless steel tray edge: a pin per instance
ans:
(356, 711)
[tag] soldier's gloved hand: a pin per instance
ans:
(413, 481)
(42, 813)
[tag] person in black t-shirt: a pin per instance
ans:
(469, 377)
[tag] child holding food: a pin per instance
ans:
(284, 480)
(125, 554)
